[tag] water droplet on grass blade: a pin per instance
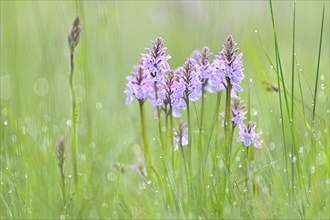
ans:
(5, 123)
(98, 105)
(68, 123)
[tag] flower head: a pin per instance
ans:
(237, 110)
(60, 152)
(203, 66)
(248, 135)
(73, 34)
(180, 136)
(228, 68)
(170, 95)
(190, 80)
(140, 85)
(154, 62)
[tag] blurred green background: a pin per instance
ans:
(34, 76)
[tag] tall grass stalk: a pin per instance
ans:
(279, 91)
(293, 151)
(74, 38)
(316, 86)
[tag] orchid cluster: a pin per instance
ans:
(171, 91)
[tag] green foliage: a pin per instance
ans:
(288, 178)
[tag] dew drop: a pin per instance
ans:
(142, 186)
(251, 80)
(68, 123)
(321, 158)
(69, 176)
(271, 67)
(5, 123)
(98, 105)
(312, 169)
(271, 146)
(255, 31)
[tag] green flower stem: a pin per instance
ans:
(201, 122)
(171, 137)
(63, 185)
(160, 131)
(144, 138)
(227, 125)
(215, 120)
(189, 147)
(74, 115)
(227, 149)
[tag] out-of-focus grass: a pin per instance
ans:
(35, 98)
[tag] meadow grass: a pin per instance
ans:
(286, 87)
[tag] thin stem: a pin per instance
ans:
(74, 116)
(63, 184)
(189, 147)
(171, 138)
(144, 138)
(215, 120)
(279, 90)
(227, 124)
(318, 68)
(292, 95)
(201, 125)
(160, 129)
